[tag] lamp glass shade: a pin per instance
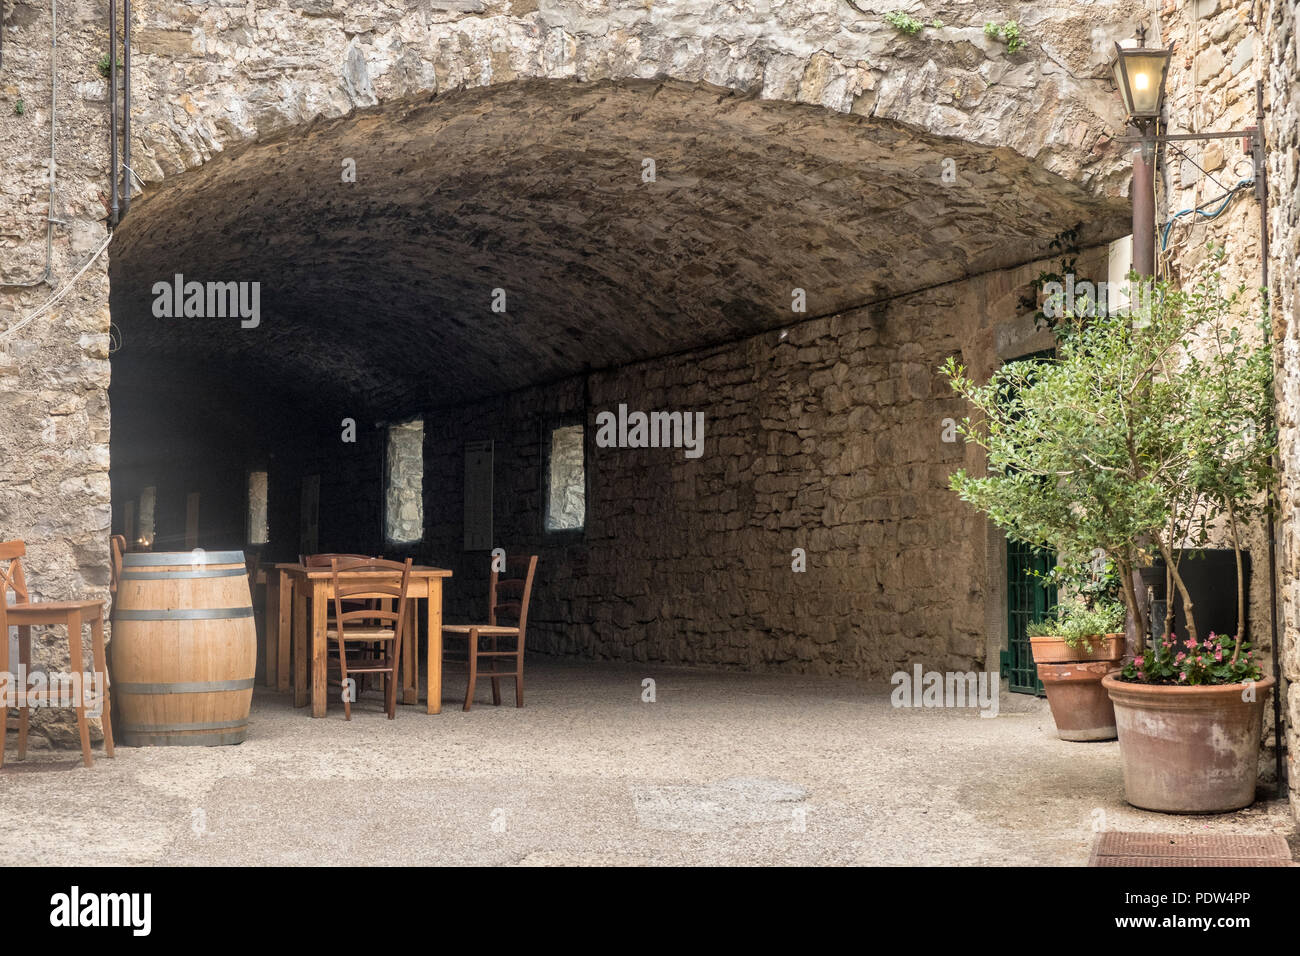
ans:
(1140, 77)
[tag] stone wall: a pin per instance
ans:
(830, 440)
(54, 369)
(1218, 57)
(1280, 61)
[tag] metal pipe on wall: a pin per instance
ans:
(112, 112)
(126, 106)
(1261, 193)
(1144, 207)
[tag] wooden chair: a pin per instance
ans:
(326, 560)
(26, 614)
(116, 548)
(508, 596)
(376, 631)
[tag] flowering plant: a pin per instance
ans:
(1215, 660)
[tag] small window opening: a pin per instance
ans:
(404, 504)
(258, 532)
(567, 503)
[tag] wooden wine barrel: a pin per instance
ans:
(184, 649)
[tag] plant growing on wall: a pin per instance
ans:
(1008, 33)
(105, 66)
(904, 23)
(1147, 428)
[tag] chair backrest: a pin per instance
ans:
(252, 564)
(349, 588)
(509, 593)
(117, 548)
(11, 572)
(326, 560)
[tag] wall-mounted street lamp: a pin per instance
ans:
(1140, 73)
(1140, 76)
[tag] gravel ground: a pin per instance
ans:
(723, 768)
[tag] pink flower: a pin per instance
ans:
(1183, 675)
(1218, 655)
(1181, 655)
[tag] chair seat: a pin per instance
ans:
(41, 612)
(361, 634)
(488, 630)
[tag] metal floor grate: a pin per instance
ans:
(1119, 848)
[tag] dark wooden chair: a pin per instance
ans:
(116, 548)
(326, 560)
(508, 597)
(25, 614)
(374, 630)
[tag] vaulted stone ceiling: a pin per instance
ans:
(378, 294)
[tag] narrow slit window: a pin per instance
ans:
(567, 502)
(404, 503)
(148, 502)
(258, 532)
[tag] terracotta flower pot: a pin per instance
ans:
(1054, 650)
(1188, 749)
(1080, 705)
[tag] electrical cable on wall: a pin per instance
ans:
(54, 299)
(1223, 201)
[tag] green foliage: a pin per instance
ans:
(1145, 428)
(1008, 32)
(904, 23)
(1065, 244)
(1088, 583)
(20, 107)
(105, 66)
(1212, 661)
(1079, 624)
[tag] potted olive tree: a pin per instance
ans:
(1148, 433)
(1190, 707)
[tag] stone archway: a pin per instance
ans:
(212, 78)
(623, 220)
(376, 305)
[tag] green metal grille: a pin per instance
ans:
(1027, 600)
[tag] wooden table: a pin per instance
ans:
(291, 589)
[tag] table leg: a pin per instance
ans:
(11, 686)
(25, 665)
(411, 654)
(319, 684)
(79, 673)
(101, 670)
(271, 627)
(300, 689)
(435, 645)
(284, 607)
